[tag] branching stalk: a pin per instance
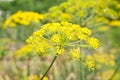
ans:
(115, 72)
(49, 68)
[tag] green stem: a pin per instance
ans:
(80, 45)
(28, 67)
(82, 71)
(88, 19)
(113, 75)
(49, 67)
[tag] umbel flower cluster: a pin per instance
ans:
(62, 38)
(23, 18)
(82, 11)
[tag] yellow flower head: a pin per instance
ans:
(93, 42)
(23, 18)
(24, 51)
(82, 11)
(57, 37)
(115, 23)
(75, 53)
(65, 17)
(103, 28)
(102, 57)
(59, 50)
(90, 62)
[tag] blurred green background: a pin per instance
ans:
(103, 20)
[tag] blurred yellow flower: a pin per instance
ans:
(104, 75)
(35, 77)
(93, 42)
(65, 17)
(115, 23)
(89, 61)
(118, 5)
(23, 18)
(103, 28)
(24, 51)
(102, 57)
(75, 53)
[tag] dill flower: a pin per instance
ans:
(104, 58)
(62, 38)
(25, 51)
(104, 20)
(115, 23)
(86, 31)
(103, 28)
(65, 17)
(82, 12)
(23, 18)
(93, 42)
(59, 50)
(75, 53)
(118, 6)
(55, 38)
(89, 61)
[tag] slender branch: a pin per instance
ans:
(116, 70)
(82, 71)
(28, 67)
(49, 67)
(75, 42)
(88, 19)
(80, 45)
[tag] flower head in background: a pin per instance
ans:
(115, 23)
(102, 57)
(25, 51)
(23, 18)
(89, 61)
